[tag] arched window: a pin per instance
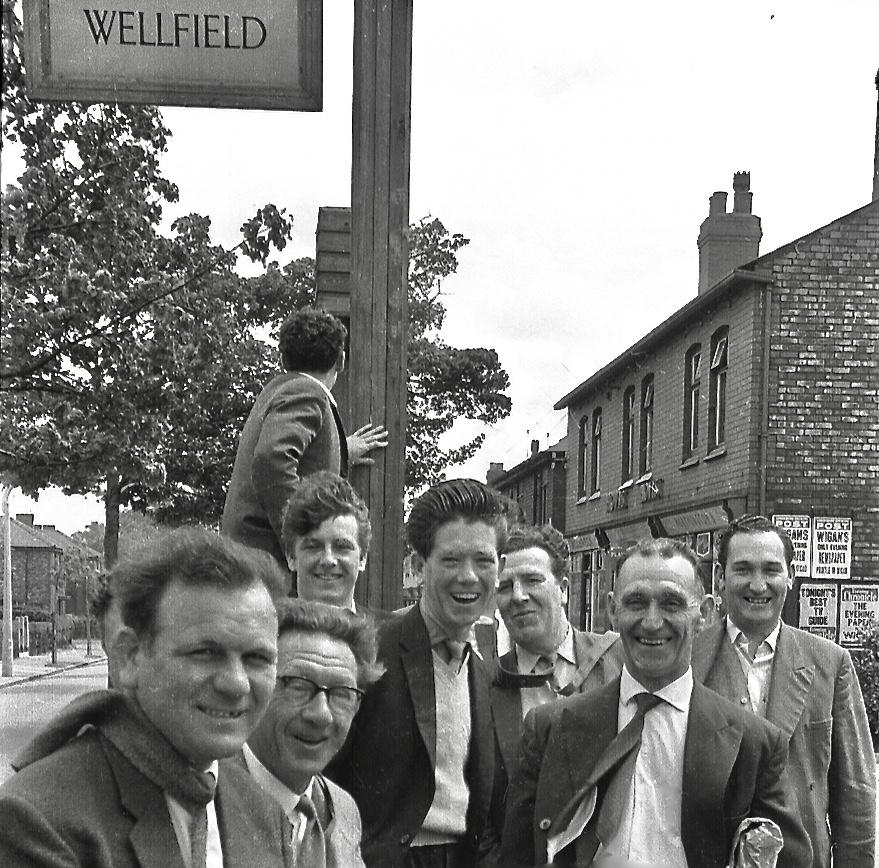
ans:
(628, 433)
(595, 479)
(692, 378)
(717, 388)
(646, 451)
(582, 464)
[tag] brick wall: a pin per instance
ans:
(705, 480)
(824, 396)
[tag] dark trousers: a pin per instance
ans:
(439, 856)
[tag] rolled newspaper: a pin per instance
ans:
(756, 844)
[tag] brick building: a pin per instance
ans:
(537, 484)
(759, 395)
(38, 554)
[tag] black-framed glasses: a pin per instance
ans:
(300, 691)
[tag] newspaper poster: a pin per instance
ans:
(858, 608)
(831, 548)
(799, 529)
(819, 603)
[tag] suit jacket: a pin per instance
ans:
(733, 768)
(340, 820)
(86, 805)
(599, 656)
(815, 699)
(388, 761)
(293, 430)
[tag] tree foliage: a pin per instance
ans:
(125, 348)
(131, 355)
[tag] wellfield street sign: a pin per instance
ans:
(264, 54)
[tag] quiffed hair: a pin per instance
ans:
(192, 556)
(316, 498)
(753, 524)
(311, 340)
(527, 536)
(356, 631)
(456, 499)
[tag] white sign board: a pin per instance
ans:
(858, 608)
(799, 529)
(819, 604)
(262, 54)
(831, 548)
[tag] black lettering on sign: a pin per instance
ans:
(99, 27)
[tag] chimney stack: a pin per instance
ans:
(25, 518)
(535, 447)
(495, 472)
(728, 240)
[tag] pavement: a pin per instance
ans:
(26, 668)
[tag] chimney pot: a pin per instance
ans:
(717, 203)
(535, 447)
(495, 472)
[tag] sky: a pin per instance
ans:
(576, 145)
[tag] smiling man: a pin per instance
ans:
(549, 657)
(131, 778)
(802, 683)
(326, 534)
(326, 660)
(419, 759)
(652, 767)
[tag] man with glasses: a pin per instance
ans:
(805, 685)
(326, 658)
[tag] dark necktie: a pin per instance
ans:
(576, 815)
(546, 664)
(455, 652)
(622, 753)
(311, 851)
(198, 837)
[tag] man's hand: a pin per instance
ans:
(363, 440)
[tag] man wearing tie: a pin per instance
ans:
(651, 767)
(805, 685)
(419, 759)
(326, 659)
(130, 778)
(549, 657)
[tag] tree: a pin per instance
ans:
(135, 530)
(114, 334)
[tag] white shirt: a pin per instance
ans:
(564, 672)
(181, 820)
(322, 385)
(758, 671)
(650, 830)
(280, 792)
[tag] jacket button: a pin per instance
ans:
(405, 839)
(544, 824)
(744, 700)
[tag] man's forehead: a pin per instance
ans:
(763, 545)
(458, 531)
(653, 572)
(531, 559)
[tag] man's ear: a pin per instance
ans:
(362, 566)
(126, 651)
(708, 608)
(564, 587)
(791, 575)
(612, 609)
(340, 362)
(417, 563)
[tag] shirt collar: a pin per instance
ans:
(676, 694)
(438, 634)
(527, 660)
(278, 790)
(322, 385)
(734, 632)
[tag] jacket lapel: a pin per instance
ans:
(792, 677)
(152, 836)
(343, 443)
(507, 707)
(589, 649)
(480, 764)
(416, 659)
(710, 751)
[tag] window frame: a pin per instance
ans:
(628, 435)
(595, 452)
(717, 388)
(692, 395)
(647, 433)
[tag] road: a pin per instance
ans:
(25, 707)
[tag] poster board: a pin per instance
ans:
(858, 608)
(799, 529)
(819, 608)
(831, 548)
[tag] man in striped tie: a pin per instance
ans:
(651, 768)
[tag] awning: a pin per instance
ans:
(625, 535)
(708, 518)
(584, 542)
